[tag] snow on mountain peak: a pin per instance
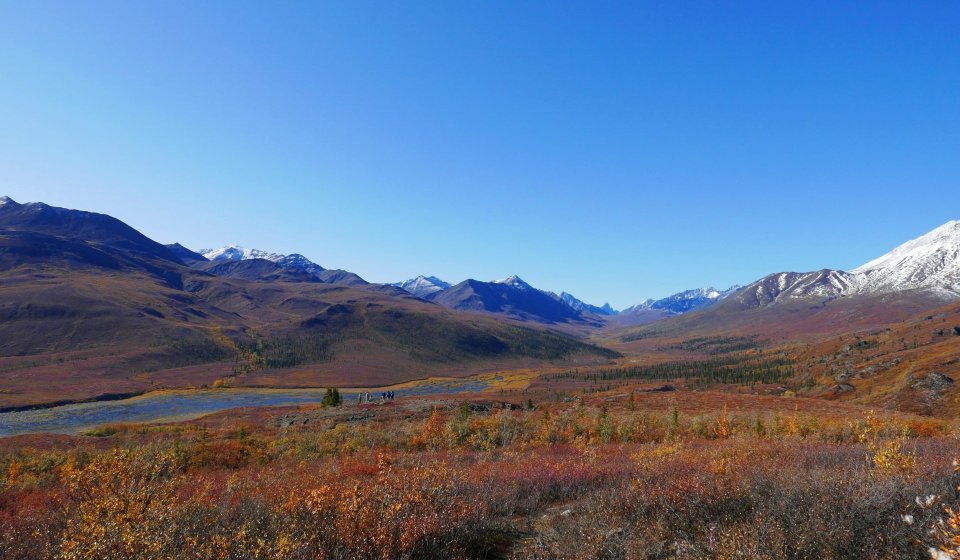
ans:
(514, 282)
(422, 286)
(683, 302)
(298, 262)
(931, 261)
(945, 237)
(238, 253)
(433, 280)
(4, 200)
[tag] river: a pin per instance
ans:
(185, 404)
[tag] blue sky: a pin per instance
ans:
(615, 150)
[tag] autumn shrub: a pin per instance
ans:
(796, 500)
(566, 480)
(119, 506)
(404, 512)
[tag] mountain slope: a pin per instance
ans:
(257, 270)
(823, 285)
(342, 277)
(93, 228)
(185, 255)
(930, 262)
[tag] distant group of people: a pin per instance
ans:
(384, 397)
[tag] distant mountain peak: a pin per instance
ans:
(5, 200)
(580, 305)
(514, 281)
(300, 262)
(233, 253)
(683, 302)
(238, 253)
(422, 286)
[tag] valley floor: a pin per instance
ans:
(542, 473)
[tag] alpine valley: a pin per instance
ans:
(479, 281)
(92, 308)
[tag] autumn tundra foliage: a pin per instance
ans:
(610, 477)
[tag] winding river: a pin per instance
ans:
(186, 404)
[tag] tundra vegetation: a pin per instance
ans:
(614, 475)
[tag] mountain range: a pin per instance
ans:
(228, 259)
(928, 265)
(123, 312)
(90, 307)
(676, 304)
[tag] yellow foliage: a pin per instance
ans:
(432, 435)
(121, 500)
(722, 428)
(889, 457)
(13, 472)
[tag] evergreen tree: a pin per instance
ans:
(332, 398)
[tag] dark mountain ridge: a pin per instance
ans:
(90, 227)
(516, 299)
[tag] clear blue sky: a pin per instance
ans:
(615, 150)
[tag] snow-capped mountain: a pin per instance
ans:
(582, 306)
(929, 264)
(297, 261)
(683, 302)
(422, 286)
(294, 261)
(823, 284)
(514, 282)
(238, 253)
